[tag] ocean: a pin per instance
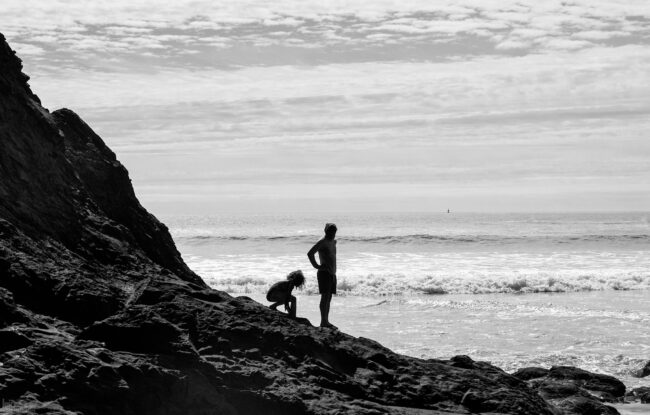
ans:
(513, 289)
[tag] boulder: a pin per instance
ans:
(589, 381)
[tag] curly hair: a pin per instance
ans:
(297, 278)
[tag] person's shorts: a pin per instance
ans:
(326, 282)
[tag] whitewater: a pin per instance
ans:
(429, 253)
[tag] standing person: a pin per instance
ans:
(326, 249)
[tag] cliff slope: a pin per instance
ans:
(100, 315)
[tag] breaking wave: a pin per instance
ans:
(424, 239)
(392, 284)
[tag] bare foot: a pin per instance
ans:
(329, 326)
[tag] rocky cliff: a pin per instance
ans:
(100, 315)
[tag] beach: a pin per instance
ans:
(516, 290)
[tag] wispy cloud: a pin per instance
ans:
(598, 74)
(123, 29)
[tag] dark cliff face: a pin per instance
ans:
(35, 190)
(110, 194)
(61, 183)
(100, 315)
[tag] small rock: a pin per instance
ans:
(643, 371)
(462, 361)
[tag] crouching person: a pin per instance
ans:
(280, 292)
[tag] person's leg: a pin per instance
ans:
(323, 289)
(293, 303)
(329, 302)
(324, 306)
(332, 291)
(275, 297)
(327, 308)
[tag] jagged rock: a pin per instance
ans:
(108, 184)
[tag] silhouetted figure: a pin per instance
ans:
(326, 249)
(280, 292)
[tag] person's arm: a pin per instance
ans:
(311, 256)
(287, 299)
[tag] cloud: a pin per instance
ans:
(367, 30)
(527, 33)
(600, 34)
(126, 30)
(595, 73)
(513, 44)
(565, 44)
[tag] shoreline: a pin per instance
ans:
(511, 331)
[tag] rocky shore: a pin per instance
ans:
(100, 315)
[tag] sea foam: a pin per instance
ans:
(405, 254)
(364, 277)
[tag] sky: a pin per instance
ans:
(301, 105)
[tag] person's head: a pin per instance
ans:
(296, 278)
(330, 230)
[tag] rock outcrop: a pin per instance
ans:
(575, 390)
(100, 315)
